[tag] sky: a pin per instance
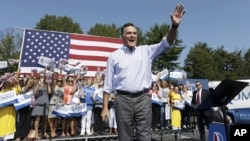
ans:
(215, 22)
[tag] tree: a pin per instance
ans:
(247, 63)
(58, 23)
(113, 31)
(199, 62)
(105, 30)
(10, 46)
(169, 58)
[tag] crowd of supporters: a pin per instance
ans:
(51, 89)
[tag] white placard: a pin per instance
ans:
(167, 112)
(156, 99)
(68, 67)
(45, 61)
(61, 110)
(72, 110)
(179, 104)
(176, 75)
(8, 98)
(78, 110)
(23, 100)
(3, 64)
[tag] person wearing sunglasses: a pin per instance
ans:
(203, 115)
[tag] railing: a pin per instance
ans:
(113, 137)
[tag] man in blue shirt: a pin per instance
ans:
(128, 72)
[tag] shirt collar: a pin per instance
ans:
(125, 48)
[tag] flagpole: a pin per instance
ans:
(21, 51)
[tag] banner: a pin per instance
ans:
(3, 64)
(77, 110)
(61, 110)
(72, 110)
(8, 98)
(156, 99)
(23, 100)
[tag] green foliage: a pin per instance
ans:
(58, 23)
(218, 64)
(169, 58)
(10, 45)
(105, 30)
(199, 62)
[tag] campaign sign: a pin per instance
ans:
(68, 67)
(3, 64)
(45, 61)
(61, 110)
(8, 98)
(179, 104)
(78, 110)
(217, 132)
(23, 100)
(99, 96)
(156, 99)
(167, 112)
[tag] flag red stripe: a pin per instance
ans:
(91, 58)
(94, 68)
(93, 48)
(96, 38)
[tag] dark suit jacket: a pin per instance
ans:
(204, 94)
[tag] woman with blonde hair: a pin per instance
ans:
(57, 97)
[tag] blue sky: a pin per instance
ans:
(215, 22)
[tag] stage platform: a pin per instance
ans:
(160, 135)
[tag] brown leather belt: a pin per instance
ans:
(132, 94)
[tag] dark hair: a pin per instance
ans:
(126, 25)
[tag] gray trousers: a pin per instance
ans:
(134, 117)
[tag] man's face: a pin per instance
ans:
(129, 36)
(198, 85)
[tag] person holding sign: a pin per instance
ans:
(156, 94)
(24, 114)
(68, 122)
(86, 120)
(99, 124)
(8, 113)
(175, 97)
(57, 97)
(42, 90)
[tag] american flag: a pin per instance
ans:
(92, 51)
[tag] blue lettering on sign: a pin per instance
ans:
(7, 96)
(241, 96)
(77, 107)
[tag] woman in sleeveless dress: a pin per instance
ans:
(42, 90)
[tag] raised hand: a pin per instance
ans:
(176, 16)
